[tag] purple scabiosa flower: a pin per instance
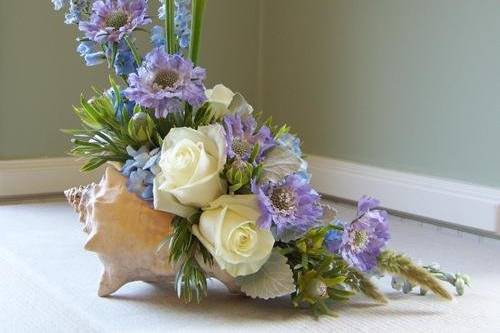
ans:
(363, 239)
(290, 206)
(164, 81)
(241, 136)
(140, 170)
(111, 20)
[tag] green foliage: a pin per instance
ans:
(239, 175)
(320, 276)
(197, 8)
(105, 137)
(191, 280)
(102, 137)
(276, 130)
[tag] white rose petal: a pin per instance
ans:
(229, 231)
(224, 101)
(190, 164)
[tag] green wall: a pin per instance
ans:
(412, 85)
(41, 75)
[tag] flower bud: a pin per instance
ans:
(141, 127)
(239, 173)
(397, 283)
(317, 288)
(459, 286)
(407, 287)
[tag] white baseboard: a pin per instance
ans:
(444, 200)
(42, 176)
(440, 199)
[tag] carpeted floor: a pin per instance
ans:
(48, 284)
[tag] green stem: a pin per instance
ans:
(197, 8)
(132, 48)
(170, 42)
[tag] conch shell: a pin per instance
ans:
(125, 232)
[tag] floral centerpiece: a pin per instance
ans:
(236, 187)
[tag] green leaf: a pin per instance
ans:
(274, 279)
(197, 8)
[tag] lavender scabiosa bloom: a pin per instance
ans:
(364, 238)
(291, 205)
(112, 20)
(141, 169)
(241, 136)
(164, 81)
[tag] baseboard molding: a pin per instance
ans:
(445, 200)
(42, 176)
(463, 204)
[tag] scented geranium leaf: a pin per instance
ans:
(240, 105)
(329, 213)
(274, 279)
(278, 163)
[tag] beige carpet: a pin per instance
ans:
(48, 284)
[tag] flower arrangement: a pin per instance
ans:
(238, 186)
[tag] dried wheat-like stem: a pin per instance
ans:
(360, 282)
(398, 264)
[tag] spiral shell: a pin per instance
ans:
(125, 233)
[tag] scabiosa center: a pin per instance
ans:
(166, 79)
(284, 200)
(117, 19)
(241, 147)
(359, 239)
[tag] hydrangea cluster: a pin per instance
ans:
(165, 81)
(141, 169)
(77, 9)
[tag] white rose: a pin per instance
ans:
(229, 231)
(191, 162)
(221, 97)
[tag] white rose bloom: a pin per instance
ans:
(191, 162)
(223, 101)
(229, 231)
